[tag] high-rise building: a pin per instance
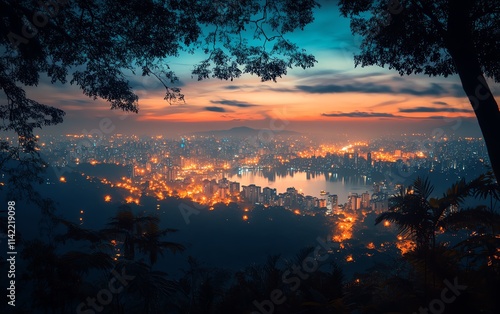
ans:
(365, 200)
(353, 201)
(223, 191)
(224, 182)
(346, 162)
(251, 193)
(333, 200)
(321, 203)
(171, 174)
(268, 195)
(309, 202)
(234, 188)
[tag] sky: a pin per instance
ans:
(331, 98)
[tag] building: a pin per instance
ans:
(171, 174)
(379, 202)
(234, 188)
(353, 201)
(268, 195)
(333, 201)
(251, 193)
(365, 200)
(321, 203)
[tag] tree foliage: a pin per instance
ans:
(95, 44)
(437, 38)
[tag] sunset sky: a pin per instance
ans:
(333, 97)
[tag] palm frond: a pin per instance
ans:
(484, 186)
(423, 188)
(75, 232)
(472, 218)
(456, 194)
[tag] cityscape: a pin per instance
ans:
(198, 167)
(334, 189)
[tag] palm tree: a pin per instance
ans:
(486, 186)
(146, 292)
(150, 242)
(58, 279)
(483, 220)
(419, 217)
(412, 213)
(149, 288)
(141, 232)
(422, 217)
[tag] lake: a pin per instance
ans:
(309, 183)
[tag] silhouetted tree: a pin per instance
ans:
(149, 288)
(422, 217)
(96, 44)
(139, 232)
(57, 280)
(442, 37)
(412, 213)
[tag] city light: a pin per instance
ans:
(201, 175)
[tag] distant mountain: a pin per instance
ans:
(244, 131)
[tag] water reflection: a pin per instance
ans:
(311, 183)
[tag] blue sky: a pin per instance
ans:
(332, 97)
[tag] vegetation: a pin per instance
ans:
(59, 278)
(436, 38)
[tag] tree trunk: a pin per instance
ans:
(460, 45)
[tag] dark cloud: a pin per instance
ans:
(357, 85)
(441, 117)
(232, 103)
(432, 90)
(360, 114)
(232, 87)
(432, 109)
(321, 72)
(362, 88)
(85, 103)
(389, 102)
(150, 83)
(215, 109)
(458, 90)
(442, 103)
